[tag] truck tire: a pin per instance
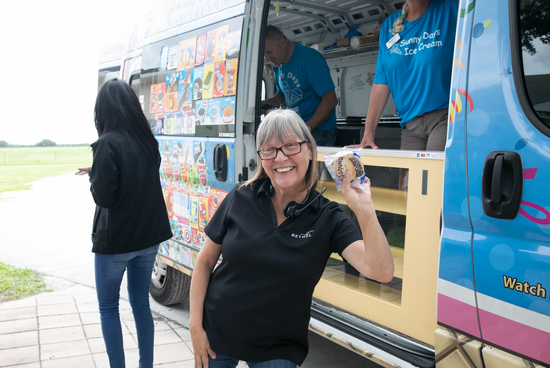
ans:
(168, 286)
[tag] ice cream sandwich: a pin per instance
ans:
(351, 163)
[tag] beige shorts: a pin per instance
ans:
(426, 132)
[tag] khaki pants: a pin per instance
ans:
(426, 132)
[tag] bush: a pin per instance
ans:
(46, 143)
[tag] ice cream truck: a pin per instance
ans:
(470, 232)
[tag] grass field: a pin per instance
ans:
(22, 165)
(17, 283)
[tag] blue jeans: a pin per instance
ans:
(325, 137)
(109, 270)
(223, 361)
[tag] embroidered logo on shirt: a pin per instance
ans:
(302, 236)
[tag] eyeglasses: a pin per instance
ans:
(289, 149)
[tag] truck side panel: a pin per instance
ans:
(506, 200)
(510, 255)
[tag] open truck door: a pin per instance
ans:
(494, 279)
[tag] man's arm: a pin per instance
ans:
(378, 99)
(274, 101)
(328, 103)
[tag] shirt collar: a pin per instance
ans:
(266, 185)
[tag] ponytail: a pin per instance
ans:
(398, 24)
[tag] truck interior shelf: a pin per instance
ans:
(347, 51)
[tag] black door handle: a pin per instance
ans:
(502, 184)
(496, 196)
(220, 162)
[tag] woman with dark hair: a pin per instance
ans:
(275, 233)
(130, 217)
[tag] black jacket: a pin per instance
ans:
(130, 211)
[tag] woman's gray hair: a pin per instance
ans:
(285, 123)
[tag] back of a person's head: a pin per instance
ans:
(117, 107)
(273, 34)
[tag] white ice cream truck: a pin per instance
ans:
(470, 235)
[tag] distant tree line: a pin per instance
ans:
(42, 143)
(46, 143)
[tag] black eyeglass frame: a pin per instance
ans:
(277, 149)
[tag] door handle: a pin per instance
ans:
(220, 162)
(502, 184)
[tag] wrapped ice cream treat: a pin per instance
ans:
(343, 161)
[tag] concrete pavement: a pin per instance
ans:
(48, 229)
(62, 329)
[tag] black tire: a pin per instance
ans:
(168, 286)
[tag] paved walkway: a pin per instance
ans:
(62, 329)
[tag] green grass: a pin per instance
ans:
(17, 283)
(21, 166)
(334, 262)
(44, 155)
(396, 237)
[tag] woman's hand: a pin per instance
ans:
(83, 171)
(201, 347)
(358, 200)
(205, 263)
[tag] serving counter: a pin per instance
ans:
(407, 193)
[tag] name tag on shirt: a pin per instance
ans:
(393, 41)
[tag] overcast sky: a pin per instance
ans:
(49, 65)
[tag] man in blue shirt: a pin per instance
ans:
(303, 82)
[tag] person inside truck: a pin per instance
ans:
(130, 218)
(303, 83)
(275, 233)
(415, 60)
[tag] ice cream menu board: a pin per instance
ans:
(200, 86)
(191, 193)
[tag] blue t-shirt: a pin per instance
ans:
(417, 68)
(303, 81)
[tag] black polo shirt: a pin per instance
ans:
(257, 305)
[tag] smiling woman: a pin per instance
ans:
(295, 230)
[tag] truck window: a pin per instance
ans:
(134, 83)
(535, 47)
(188, 82)
(108, 73)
